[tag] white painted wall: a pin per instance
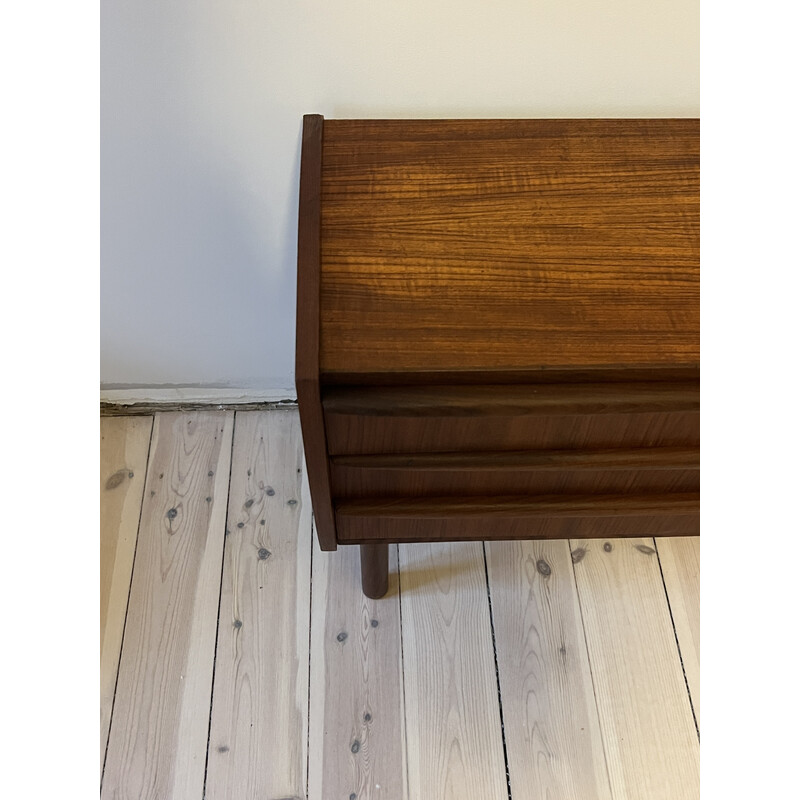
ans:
(202, 103)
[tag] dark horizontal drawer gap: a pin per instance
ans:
(657, 373)
(521, 506)
(642, 458)
(512, 400)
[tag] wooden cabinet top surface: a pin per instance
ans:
(518, 245)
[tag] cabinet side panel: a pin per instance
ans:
(307, 341)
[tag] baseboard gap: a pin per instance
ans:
(147, 409)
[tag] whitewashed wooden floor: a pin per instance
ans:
(238, 661)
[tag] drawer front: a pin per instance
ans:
(507, 418)
(510, 462)
(363, 530)
(554, 517)
(352, 434)
(655, 470)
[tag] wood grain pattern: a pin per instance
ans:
(550, 717)
(365, 529)
(307, 328)
(160, 722)
(259, 721)
(159, 729)
(509, 244)
(356, 434)
(680, 566)
(357, 742)
(455, 747)
(374, 569)
(352, 483)
(648, 731)
(530, 473)
(493, 286)
(124, 443)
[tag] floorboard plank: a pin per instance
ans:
(646, 720)
(124, 442)
(680, 565)
(454, 738)
(357, 743)
(159, 728)
(551, 725)
(259, 717)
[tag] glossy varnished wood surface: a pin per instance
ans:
(643, 470)
(354, 434)
(413, 520)
(497, 287)
(349, 483)
(509, 244)
(308, 332)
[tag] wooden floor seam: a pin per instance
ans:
(219, 606)
(677, 642)
(127, 602)
(496, 670)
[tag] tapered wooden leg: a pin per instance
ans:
(374, 569)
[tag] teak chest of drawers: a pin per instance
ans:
(498, 330)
